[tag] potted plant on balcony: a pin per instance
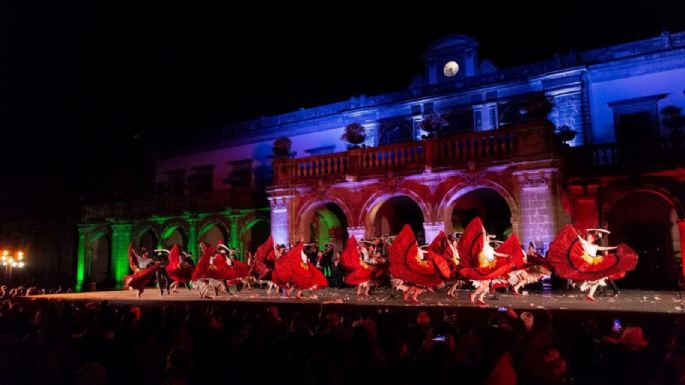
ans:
(355, 134)
(281, 147)
(432, 123)
(566, 134)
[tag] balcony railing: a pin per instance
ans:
(511, 143)
(643, 156)
(209, 201)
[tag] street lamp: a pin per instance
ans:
(11, 262)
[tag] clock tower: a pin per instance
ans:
(450, 58)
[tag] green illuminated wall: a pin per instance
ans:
(122, 236)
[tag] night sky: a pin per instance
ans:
(88, 90)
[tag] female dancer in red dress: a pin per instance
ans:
(143, 267)
(263, 264)
(576, 257)
(360, 273)
(178, 269)
(413, 270)
(211, 272)
(529, 268)
(480, 262)
(293, 271)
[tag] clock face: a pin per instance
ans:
(450, 69)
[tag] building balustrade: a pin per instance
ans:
(624, 157)
(455, 151)
(209, 201)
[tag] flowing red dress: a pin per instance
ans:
(570, 260)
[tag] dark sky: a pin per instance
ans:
(86, 87)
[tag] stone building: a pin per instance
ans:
(591, 138)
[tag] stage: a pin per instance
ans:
(630, 301)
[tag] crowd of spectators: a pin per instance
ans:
(60, 342)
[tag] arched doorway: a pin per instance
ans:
(174, 235)
(148, 239)
(394, 213)
(212, 233)
(100, 258)
(650, 229)
(254, 234)
(328, 224)
(487, 204)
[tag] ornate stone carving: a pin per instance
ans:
(534, 179)
(391, 182)
(320, 190)
(280, 202)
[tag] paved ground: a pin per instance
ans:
(663, 302)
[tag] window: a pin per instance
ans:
(241, 173)
(396, 132)
(636, 119)
(459, 120)
(177, 183)
(201, 179)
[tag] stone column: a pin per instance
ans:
(84, 232)
(192, 237)
(432, 229)
(681, 229)
(233, 240)
(280, 218)
(121, 239)
(485, 116)
(359, 232)
(537, 205)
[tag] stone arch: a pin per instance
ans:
(309, 208)
(367, 216)
(617, 192)
(446, 205)
(650, 228)
(450, 198)
(220, 224)
(100, 256)
(252, 245)
(175, 225)
(140, 232)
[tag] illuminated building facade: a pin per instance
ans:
(592, 138)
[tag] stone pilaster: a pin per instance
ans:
(280, 218)
(432, 229)
(192, 237)
(681, 229)
(537, 205)
(121, 239)
(359, 232)
(84, 232)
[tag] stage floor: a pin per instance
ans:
(664, 302)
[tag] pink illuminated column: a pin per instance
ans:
(280, 221)
(432, 229)
(537, 205)
(681, 229)
(359, 232)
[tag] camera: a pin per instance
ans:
(440, 338)
(617, 327)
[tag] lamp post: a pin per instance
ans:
(11, 262)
